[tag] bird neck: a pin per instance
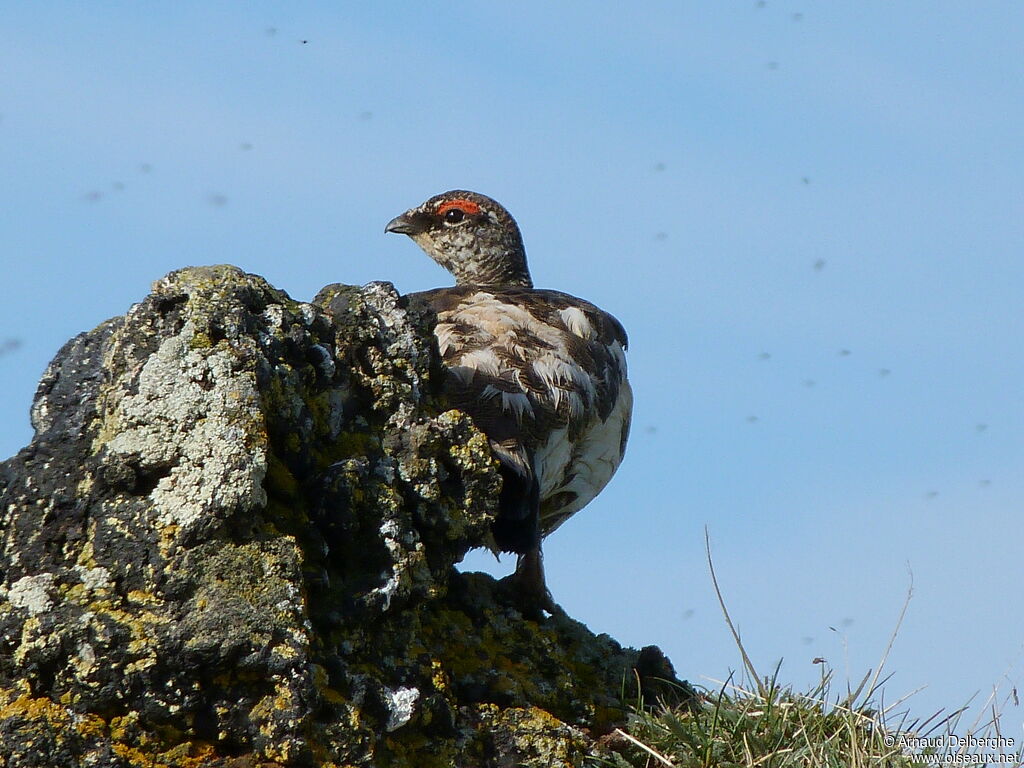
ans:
(504, 270)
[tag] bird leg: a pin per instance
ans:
(517, 529)
(528, 583)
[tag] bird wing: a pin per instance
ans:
(537, 371)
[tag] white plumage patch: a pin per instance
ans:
(446, 339)
(577, 322)
(483, 361)
(561, 373)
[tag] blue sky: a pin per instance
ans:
(809, 218)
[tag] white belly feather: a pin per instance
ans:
(582, 468)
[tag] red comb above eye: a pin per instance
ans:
(466, 206)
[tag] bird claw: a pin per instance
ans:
(528, 586)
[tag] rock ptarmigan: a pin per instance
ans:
(541, 373)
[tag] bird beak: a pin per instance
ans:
(408, 223)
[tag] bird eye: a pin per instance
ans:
(454, 215)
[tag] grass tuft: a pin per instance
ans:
(757, 722)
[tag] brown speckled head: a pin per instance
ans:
(471, 236)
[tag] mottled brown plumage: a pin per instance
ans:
(541, 373)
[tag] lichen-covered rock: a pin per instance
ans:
(232, 543)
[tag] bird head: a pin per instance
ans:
(470, 235)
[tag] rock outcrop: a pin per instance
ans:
(232, 543)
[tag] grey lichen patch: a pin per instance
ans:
(195, 421)
(183, 421)
(94, 579)
(401, 704)
(232, 542)
(34, 594)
